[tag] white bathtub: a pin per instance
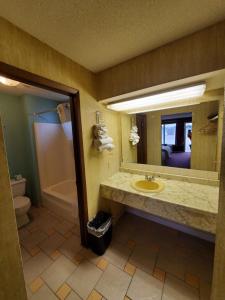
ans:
(62, 199)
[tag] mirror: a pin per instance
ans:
(182, 137)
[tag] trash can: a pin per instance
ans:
(100, 232)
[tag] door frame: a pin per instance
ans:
(26, 77)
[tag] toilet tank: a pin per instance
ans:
(18, 187)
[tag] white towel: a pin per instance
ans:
(108, 147)
(103, 141)
(134, 137)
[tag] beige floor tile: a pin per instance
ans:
(36, 285)
(71, 246)
(175, 289)
(35, 266)
(205, 291)
(172, 263)
(58, 272)
(113, 284)
(117, 254)
(63, 291)
(84, 278)
(89, 255)
(201, 267)
(25, 255)
(68, 234)
(130, 269)
(44, 293)
(143, 258)
(52, 243)
(34, 251)
(144, 286)
(78, 258)
(29, 293)
(192, 280)
(102, 264)
(63, 227)
(94, 296)
(76, 229)
(23, 232)
(131, 244)
(159, 274)
(55, 254)
(73, 296)
(33, 239)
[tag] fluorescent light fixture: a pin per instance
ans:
(157, 101)
(8, 82)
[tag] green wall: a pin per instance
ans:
(16, 114)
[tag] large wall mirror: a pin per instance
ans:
(188, 136)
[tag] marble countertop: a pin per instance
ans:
(192, 204)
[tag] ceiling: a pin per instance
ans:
(99, 34)
(25, 89)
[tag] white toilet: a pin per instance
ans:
(21, 203)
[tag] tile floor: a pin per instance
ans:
(144, 261)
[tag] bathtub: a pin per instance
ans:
(61, 198)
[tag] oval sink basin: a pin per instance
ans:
(147, 186)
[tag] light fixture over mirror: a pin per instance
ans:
(166, 99)
(8, 82)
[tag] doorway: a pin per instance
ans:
(74, 100)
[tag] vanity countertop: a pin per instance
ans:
(192, 204)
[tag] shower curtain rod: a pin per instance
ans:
(46, 111)
(43, 112)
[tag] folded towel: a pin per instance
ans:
(103, 141)
(108, 147)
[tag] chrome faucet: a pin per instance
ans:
(149, 177)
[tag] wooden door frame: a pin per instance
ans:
(26, 77)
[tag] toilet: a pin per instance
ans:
(21, 203)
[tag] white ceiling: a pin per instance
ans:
(101, 33)
(25, 89)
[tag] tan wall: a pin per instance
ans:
(23, 51)
(195, 54)
(12, 284)
(204, 146)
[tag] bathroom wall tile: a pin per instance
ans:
(117, 254)
(143, 258)
(113, 283)
(144, 286)
(58, 272)
(35, 266)
(84, 278)
(71, 246)
(44, 293)
(52, 243)
(175, 289)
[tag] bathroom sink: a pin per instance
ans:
(148, 186)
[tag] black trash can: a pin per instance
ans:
(100, 232)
